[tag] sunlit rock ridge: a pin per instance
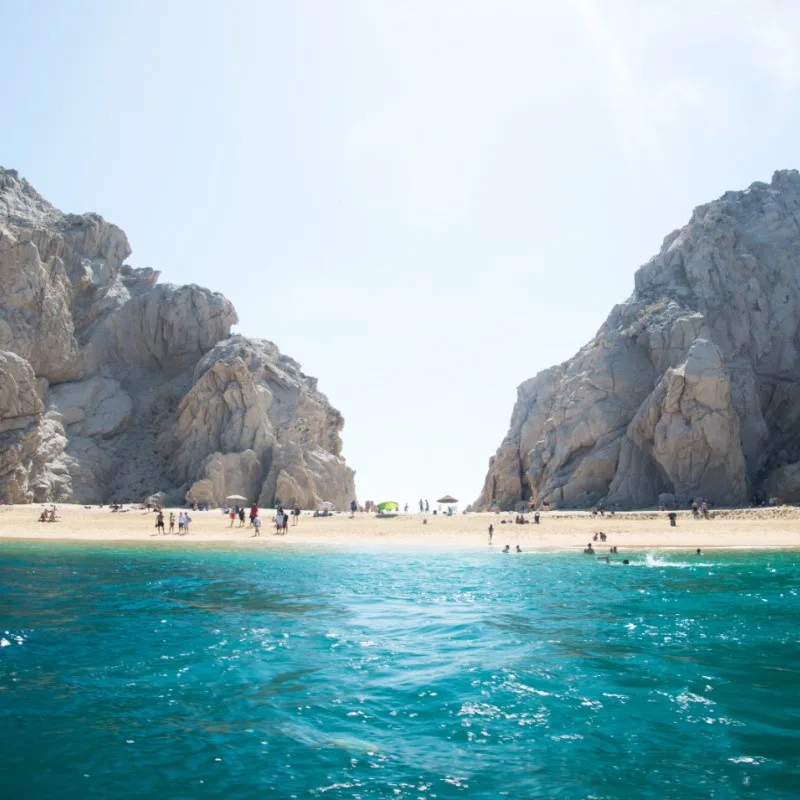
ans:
(690, 388)
(113, 386)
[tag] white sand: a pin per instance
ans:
(778, 527)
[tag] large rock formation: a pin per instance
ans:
(690, 388)
(113, 386)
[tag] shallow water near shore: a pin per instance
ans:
(135, 672)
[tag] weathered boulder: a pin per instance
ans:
(168, 326)
(248, 398)
(93, 407)
(224, 474)
(689, 430)
(690, 386)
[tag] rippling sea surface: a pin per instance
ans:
(239, 673)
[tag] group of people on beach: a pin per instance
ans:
(183, 522)
(281, 518)
(49, 515)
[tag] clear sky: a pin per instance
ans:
(424, 203)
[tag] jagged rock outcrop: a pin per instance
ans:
(113, 386)
(690, 388)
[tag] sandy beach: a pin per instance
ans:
(735, 528)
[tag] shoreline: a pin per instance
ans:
(396, 546)
(565, 531)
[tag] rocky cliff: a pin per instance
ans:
(113, 386)
(690, 388)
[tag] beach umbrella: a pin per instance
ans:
(236, 497)
(448, 498)
(388, 505)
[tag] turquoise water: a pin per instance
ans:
(133, 672)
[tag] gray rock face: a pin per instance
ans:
(248, 398)
(690, 387)
(113, 386)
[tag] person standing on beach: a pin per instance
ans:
(172, 522)
(186, 520)
(427, 507)
(232, 515)
(421, 506)
(241, 517)
(257, 526)
(296, 514)
(160, 522)
(491, 532)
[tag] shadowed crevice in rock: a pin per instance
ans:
(690, 387)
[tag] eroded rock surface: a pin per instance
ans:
(691, 386)
(113, 386)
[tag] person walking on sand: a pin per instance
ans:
(232, 515)
(172, 522)
(491, 533)
(241, 517)
(257, 526)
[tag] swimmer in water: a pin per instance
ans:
(625, 561)
(507, 549)
(519, 549)
(699, 551)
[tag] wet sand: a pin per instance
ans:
(735, 528)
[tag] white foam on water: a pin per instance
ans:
(652, 560)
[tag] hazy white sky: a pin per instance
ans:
(424, 203)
